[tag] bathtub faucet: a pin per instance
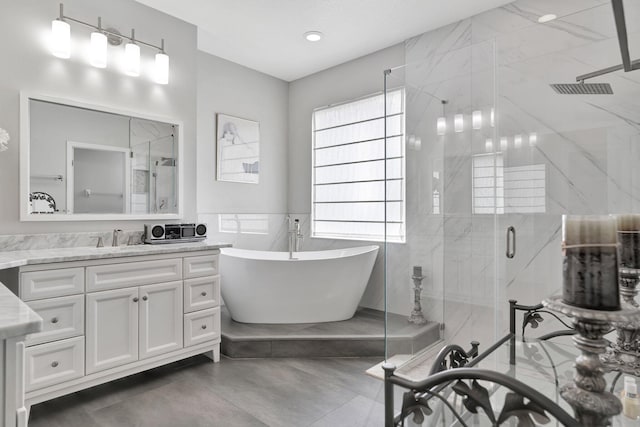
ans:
(295, 236)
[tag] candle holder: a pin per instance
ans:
(624, 355)
(417, 317)
(592, 405)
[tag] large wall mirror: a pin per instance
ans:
(89, 162)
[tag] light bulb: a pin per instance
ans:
(476, 119)
(493, 117)
(533, 139)
(488, 145)
(517, 141)
(132, 59)
(162, 68)
(441, 125)
(417, 144)
(98, 54)
(60, 39)
(458, 123)
(504, 143)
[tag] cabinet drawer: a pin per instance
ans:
(201, 326)
(199, 266)
(113, 276)
(53, 363)
(51, 283)
(61, 318)
(201, 293)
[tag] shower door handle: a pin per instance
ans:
(511, 242)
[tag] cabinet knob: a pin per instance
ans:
(54, 320)
(203, 293)
(54, 364)
(144, 298)
(204, 326)
(135, 299)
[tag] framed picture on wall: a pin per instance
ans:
(238, 143)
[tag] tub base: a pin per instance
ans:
(360, 336)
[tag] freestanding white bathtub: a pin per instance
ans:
(268, 287)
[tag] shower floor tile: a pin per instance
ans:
(362, 335)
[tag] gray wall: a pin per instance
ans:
(229, 88)
(28, 65)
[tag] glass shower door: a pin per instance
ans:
(451, 185)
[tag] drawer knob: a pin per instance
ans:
(54, 320)
(204, 293)
(204, 326)
(54, 364)
(135, 299)
(144, 298)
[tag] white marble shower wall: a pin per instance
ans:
(587, 144)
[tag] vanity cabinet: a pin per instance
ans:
(108, 318)
(124, 325)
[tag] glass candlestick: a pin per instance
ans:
(587, 395)
(624, 354)
(417, 317)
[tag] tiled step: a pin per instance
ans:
(362, 335)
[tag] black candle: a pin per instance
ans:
(629, 239)
(590, 262)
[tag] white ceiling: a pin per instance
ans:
(267, 35)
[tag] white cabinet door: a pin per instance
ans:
(111, 328)
(160, 318)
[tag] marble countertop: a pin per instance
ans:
(43, 256)
(16, 318)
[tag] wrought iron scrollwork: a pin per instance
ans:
(533, 318)
(528, 406)
(453, 356)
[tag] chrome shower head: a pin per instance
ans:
(583, 88)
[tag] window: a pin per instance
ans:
(499, 189)
(348, 177)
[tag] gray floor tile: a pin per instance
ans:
(249, 392)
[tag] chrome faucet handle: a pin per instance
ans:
(116, 235)
(100, 243)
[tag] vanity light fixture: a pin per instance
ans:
(488, 145)
(98, 53)
(476, 119)
(458, 123)
(533, 139)
(441, 123)
(100, 38)
(492, 117)
(313, 36)
(162, 66)
(547, 18)
(504, 143)
(132, 57)
(60, 37)
(517, 141)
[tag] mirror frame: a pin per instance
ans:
(25, 143)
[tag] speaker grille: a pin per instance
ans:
(201, 230)
(157, 231)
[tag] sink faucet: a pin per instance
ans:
(116, 235)
(295, 236)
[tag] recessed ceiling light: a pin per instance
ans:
(313, 36)
(547, 18)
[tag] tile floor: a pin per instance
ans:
(329, 392)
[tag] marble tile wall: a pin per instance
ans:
(588, 145)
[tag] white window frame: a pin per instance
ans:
(400, 237)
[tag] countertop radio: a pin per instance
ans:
(174, 233)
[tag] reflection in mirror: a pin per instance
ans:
(85, 161)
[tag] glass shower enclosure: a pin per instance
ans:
(494, 156)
